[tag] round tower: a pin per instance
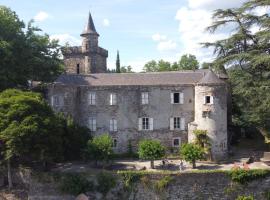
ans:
(211, 113)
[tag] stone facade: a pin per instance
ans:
(88, 58)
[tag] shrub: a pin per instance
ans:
(75, 184)
(267, 195)
(130, 177)
(245, 198)
(105, 181)
(163, 183)
(151, 150)
(191, 152)
(245, 176)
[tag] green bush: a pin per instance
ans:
(130, 177)
(267, 195)
(105, 181)
(245, 176)
(191, 152)
(163, 183)
(245, 198)
(75, 184)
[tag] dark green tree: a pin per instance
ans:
(24, 54)
(126, 69)
(191, 152)
(188, 62)
(118, 67)
(151, 150)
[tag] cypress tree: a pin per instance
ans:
(118, 70)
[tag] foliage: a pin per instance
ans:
(100, 147)
(245, 176)
(245, 54)
(151, 150)
(267, 195)
(28, 127)
(191, 152)
(188, 62)
(126, 69)
(76, 137)
(130, 177)
(105, 181)
(202, 139)
(245, 197)
(163, 183)
(118, 68)
(75, 184)
(25, 54)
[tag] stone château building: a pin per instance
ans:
(166, 106)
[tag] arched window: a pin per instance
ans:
(78, 68)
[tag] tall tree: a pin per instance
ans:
(24, 54)
(118, 68)
(246, 55)
(188, 62)
(126, 69)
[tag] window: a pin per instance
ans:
(145, 123)
(208, 99)
(86, 46)
(56, 100)
(112, 99)
(92, 124)
(114, 143)
(177, 98)
(92, 98)
(176, 142)
(177, 123)
(113, 125)
(78, 68)
(145, 98)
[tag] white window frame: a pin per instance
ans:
(92, 98)
(145, 127)
(182, 122)
(113, 125)
(113, 99)
(145, 98)
(181, 97)
(92, 124)
(211, 100)
(176, 138)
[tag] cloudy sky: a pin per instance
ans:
(141, 30)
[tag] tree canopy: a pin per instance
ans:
(24, 54)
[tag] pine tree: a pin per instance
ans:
(118, 68)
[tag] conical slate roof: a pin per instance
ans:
(210, 79)
(90, 27)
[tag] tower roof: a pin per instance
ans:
(90, 27)
(210, 79)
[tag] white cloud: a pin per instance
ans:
(167, 45)
(214, 4)
(64, 38)
(41, 16)
(106, 22)
(158, 37)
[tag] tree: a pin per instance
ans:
(28, 128)
(151, 150)
(100, 148)
(118, 68)
(24, 54)
(191, 152)
(151, 66)
(245, 53)
(126, 69)
(188, 62)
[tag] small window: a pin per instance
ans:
(145, 123)
(78, 68)
(92, 124)
(145, 98)
(114, 143)
(112, 99)
(208, 99)
(176, 142)
(86, 46)
(176, 122)
(177, 98)
(92, 98)
(113, 125)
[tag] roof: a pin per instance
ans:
(187, 77)
(90, 27)
(210, 78)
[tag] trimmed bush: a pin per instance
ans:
(106, 181)
(191, 152)
(245, 176)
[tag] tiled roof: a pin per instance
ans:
(90, 27)
(210, 78)
(134, 79)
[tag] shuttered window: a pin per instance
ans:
(177, 123)
(146, 123)
(145, 99)
(92, 124)
(113, 125)
(177, 98)
(113, 100)
(92, 98)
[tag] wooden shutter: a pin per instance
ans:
(94, 124)
(115, 125)
(151, 125)
(111, 125)
(172, 98)
(204, 100)
(146, 98)
(181, 98)
(171, 123)
(211, 100)
(52, 100)
(93, 98)
(140, 124)
(182, 123)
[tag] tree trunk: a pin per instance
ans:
(10, 185)
(152, 164)
(193, 164)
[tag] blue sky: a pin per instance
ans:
(141, 30)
